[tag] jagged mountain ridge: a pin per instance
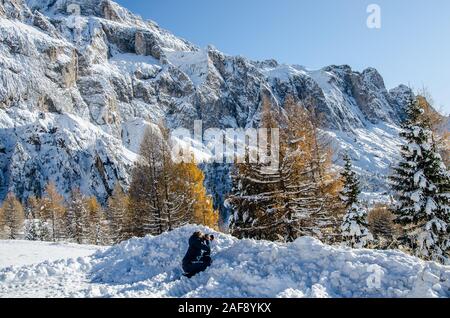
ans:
(77, 91)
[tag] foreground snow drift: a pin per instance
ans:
(150, 267)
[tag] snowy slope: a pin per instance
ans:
(150, 267)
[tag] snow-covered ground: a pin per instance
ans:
(150, 267)
(19, 253)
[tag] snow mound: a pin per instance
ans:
(140, 259)
(150, 267)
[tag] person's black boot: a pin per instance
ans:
(188, 275)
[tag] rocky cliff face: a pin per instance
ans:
(77, 91)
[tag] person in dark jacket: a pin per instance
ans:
(198, 255)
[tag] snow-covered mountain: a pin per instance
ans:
(77, 91)
(150, 267)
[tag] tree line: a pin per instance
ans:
(163, 195)
(80, 219)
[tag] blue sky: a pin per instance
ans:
(412, 46)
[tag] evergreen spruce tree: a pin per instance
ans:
(31, 211)
(44, 231)
(351, 191)
(421, 184)
(77, 218)
(31, 229)
(37, 228)
(32, 207)
(354, 228)
(355, 231)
